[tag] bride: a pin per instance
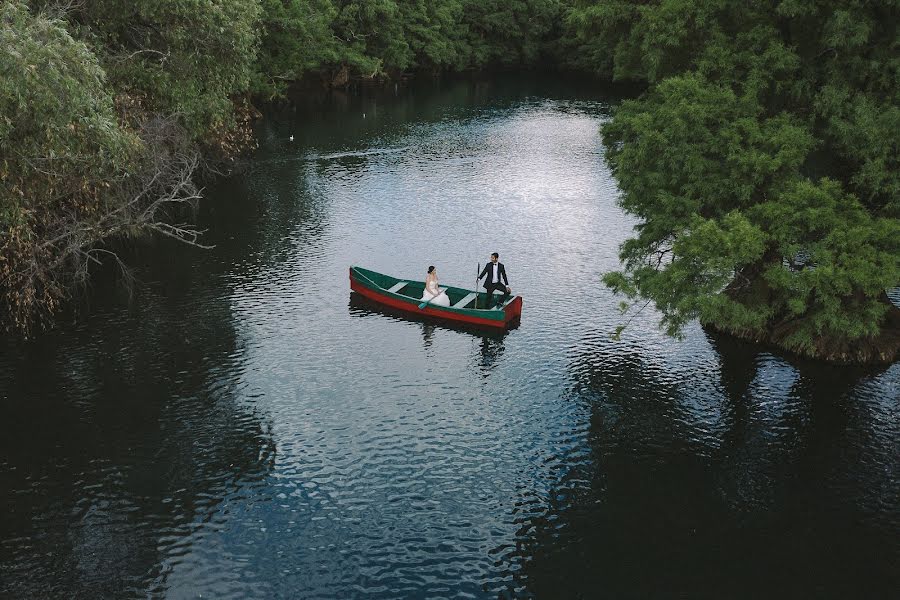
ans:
(433, 291)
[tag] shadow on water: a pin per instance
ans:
(491, 346)
(123, 439)
(251, 220)
(743, 479)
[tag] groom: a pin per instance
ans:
(495, 271)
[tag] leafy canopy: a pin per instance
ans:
(762, 161)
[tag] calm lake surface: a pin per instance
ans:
(241, 427)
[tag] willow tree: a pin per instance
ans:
(60, 149)
(72, 176)
(763, 165)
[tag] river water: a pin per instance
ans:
(241, 427)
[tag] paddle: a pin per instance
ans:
(477, 275)
(424, 304)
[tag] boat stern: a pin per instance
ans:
(513, 310)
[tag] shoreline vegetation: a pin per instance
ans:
(762, 157)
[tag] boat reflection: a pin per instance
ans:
(361, 306)
(491, 347)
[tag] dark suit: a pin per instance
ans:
(490, 286)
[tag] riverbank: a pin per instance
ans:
(883, 349)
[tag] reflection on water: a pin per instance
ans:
(239, 430)
(111, 458)
(742, 475)
(491, 351)
(491, 339)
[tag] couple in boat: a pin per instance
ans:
(495, 279)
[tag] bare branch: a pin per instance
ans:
(51, 251)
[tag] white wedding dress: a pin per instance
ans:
(431, 290)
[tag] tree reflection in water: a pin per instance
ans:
(753, 475)
(123, 429)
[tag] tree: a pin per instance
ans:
(762, 163)
(508, 33)
(71, 176)
(296, 39)
(61, 147)
(188, 58)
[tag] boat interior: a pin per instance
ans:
(459, 297)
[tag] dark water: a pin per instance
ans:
(242, 428)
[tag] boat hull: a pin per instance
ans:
(495, 318)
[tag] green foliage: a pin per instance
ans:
(597, 38)
(296, 39)
(840, 259)
(372, 38)
(694, 147)
(508, 32)
(435, 34)
(622, 39)
(762, 162)
(59, 137)
(187, 57)
(60, 148)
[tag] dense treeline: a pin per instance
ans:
(371, 38)
(761, 160)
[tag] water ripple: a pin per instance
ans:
(241, 430)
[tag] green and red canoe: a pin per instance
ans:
(405, 295)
